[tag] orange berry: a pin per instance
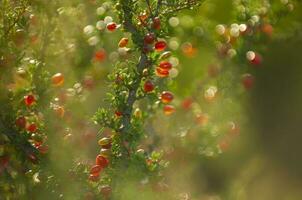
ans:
(100, 55)
(57, 79)
(161, 73)
(169, 109)
(123, 42)
(166, 97)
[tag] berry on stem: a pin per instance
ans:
(96, 169)
(166, 97)
(57, 79)
(29, 100)
(32, 128)
(111, 26)
(148, 86)
(21, 122)
(160, 45)
(149, 38)
(101, 161)
(123, 42)
(165, 65)
(156, 23)
(169, 109)
(161, 73)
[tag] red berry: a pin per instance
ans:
(29, 99)
(169, 109)
(247, 81)
(149, 38)
(148, 86)
(165, 65)
(57, 79)
(257, 60)
(111, 26)
(21, 122)
(100, 55)
(32, 128)
(118, 113)
(102, 161)
(161, 73)
(166, 97)
(160, 45)
(93, 177)
(96, 169)
(254, 58)
(156, 23)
